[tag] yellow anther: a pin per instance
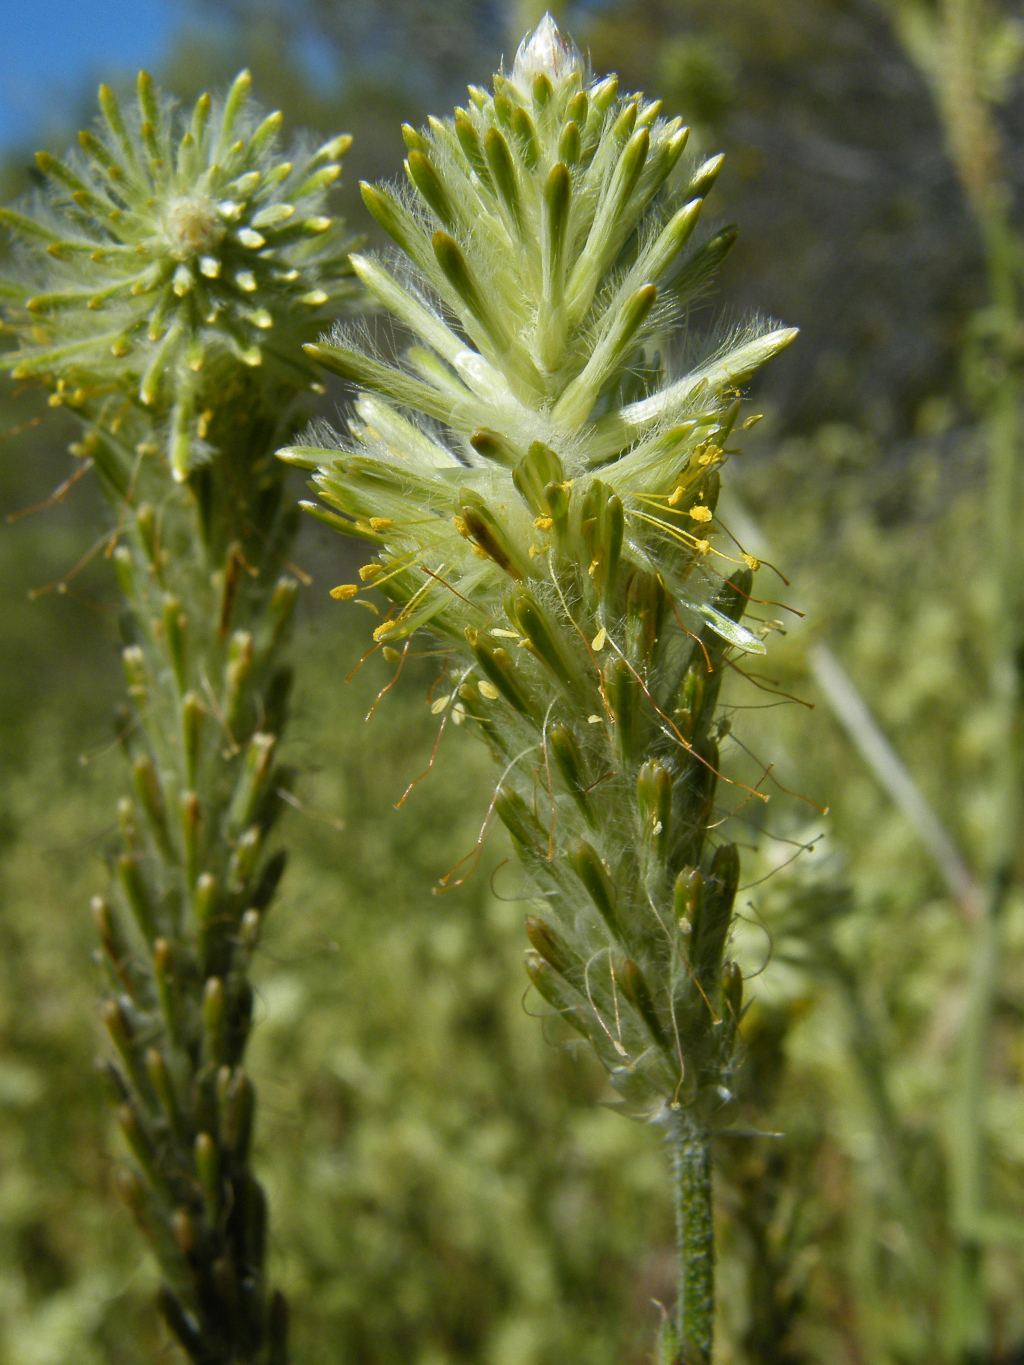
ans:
(504, 634)
(391, 654)
(701, 513)
(380, 523)
(597, 643)
(371, 571)
(536, 550)
(593, 568)
(593, 720)
(488, 690)
(751, 563)
(755, 417)
(344, 591)
(460, 526)
(439, 705)
(479, 551)
(675, 497)
(703, 547)
(544, 523)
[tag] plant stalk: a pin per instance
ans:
(695, 1308)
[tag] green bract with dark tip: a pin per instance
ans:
(539, 473)
(167, 244)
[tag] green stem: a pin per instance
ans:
(968, 1332)
(695, 1238)
(967, 1327)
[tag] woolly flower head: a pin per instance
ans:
(166, 243)
(538, 478)
(543, 231)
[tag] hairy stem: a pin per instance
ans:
(695, 1309)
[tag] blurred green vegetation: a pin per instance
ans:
(446, 1188)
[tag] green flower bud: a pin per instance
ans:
(236, 676)
(252, 783)
(716, 916)
(570, 763)
(244, 858)
(593, 874)
(543, 640)
(603, 524)
(214, 1006)
(208, 1170)
(164, 977)
(163, 1085)
(732, 989)
(115, 945)
(236, 1100)
(497, 666)
(518, 819)
(428, 182)
(487, 532)
(624, 695)
(505, 179)
(141, 1145)
(538, 468)
(654, 790)
(137, 894)
(175, 625)
(550, 986)
(689, 903)
(151, 799)
(633, 985)
(555, 951)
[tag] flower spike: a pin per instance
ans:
(544, 474)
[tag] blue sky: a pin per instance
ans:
(53, 51)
